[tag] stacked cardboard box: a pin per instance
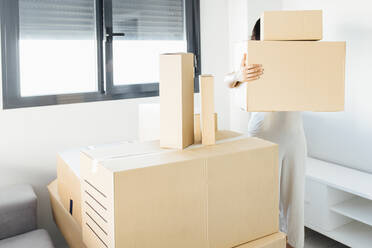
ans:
(255, 168)
(137, 194)
(300, 74)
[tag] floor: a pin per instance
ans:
(317, 240)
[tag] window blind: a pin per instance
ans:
(149, 19)
(75, 19)
(57, 19)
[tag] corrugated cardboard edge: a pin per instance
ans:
(276, 240)
(94, 168)
(68, 226)
(68, 180)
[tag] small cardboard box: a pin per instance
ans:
(68, 175)
(292, 25)
(276, 240)
(298, 76)
(70, 229)
(204, 196)
(176, 100)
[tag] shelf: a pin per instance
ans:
(358, 209)
(349, 180)
(353, 234)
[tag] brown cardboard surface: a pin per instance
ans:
(69, 182)
(215, 116)
(298, 76)
(207, 109)
(70, 229)
(172, 198)
(197, 129)
(292, 25)
(176, 100)
(276, 240)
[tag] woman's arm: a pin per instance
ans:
(246, 73)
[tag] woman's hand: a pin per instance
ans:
(248, 73)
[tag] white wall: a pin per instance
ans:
(243, 14)
(31, 137)
(345, 137)
(214, 48)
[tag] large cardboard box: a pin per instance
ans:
(71, 230)
(276, 240)
(292, 25)
(68, 167)
(298, 76)
(176, 100)
(216, 196)
(68, 175)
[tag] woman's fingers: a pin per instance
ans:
(253, 66)
(253, 78)
(253, 74)
(256, 69)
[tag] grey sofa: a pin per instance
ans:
(18, 226)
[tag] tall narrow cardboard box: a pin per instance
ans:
(176, 100)
(292, 25)
(207, 109)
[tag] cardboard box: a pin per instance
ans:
(176, 100)
(197, 129)
(204, 196)
(72, 232)
(149, 123)
(68, 168)
(68, 175)
(70, 229)
(208, 128)
(298, 76)
(276, 240)
(292, 25)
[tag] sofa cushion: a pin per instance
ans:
(17, 210)
(36, 239)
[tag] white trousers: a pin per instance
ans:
(286, 130)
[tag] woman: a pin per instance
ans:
(285, 129)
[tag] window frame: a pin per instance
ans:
(106, 90)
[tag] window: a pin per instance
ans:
(66, 51)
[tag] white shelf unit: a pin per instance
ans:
(338, 203)
(358, 209)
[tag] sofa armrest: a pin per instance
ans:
(18, 205)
